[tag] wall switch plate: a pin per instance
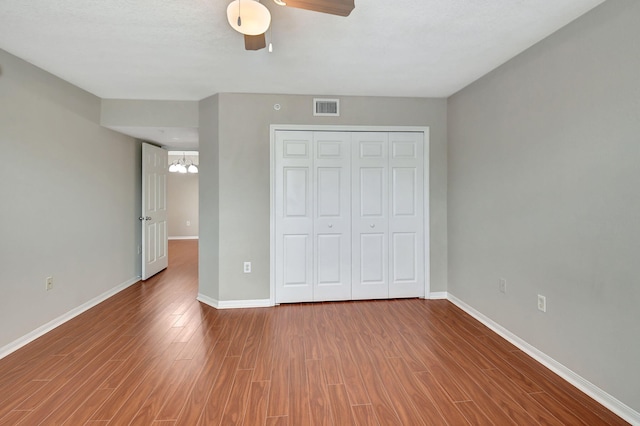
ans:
(502, 285)
(49, 283)
(247, 267)
(188, 223)
(542, 303)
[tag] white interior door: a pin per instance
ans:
(406, 236)
(294, 217)
(332, 218)
(370, 215)
(154, 210)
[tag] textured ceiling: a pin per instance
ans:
(185, 50)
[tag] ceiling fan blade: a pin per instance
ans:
(333, 7)
(255, 42)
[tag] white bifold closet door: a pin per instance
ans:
(388, 228)
(348, 215)
(313, 216)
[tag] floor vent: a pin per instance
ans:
(326, 107)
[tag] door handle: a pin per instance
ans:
(144, 218)
(373, 225)
(330, 225)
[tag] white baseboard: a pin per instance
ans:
(30, 337)
(184, 238)
(618, 407)
(436, 295)
(234, 304)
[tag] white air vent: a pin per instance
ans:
(326, 107)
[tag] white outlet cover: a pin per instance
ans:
(542, 303)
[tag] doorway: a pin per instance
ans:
(182, 196)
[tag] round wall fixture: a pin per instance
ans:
(276, 107)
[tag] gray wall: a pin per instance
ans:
(182, 204)
(544, 170)
(208, 187)
(70, 199)
(243, 174)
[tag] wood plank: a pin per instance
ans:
(298, 387)
(279, 393)
(249, 354)
(238, 398)
(150, 408)
(363, 415)
(416, 392)
(474, 414)
(351, 373)
(256, 413)
(448, 409)
(63, 403)
(374, 385)
(331, 369)
(340, 408)
(88, 407)
(319, 404)
(277, 421)
(535, 410)
(219, 394)
(189, 410)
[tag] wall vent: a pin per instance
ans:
(326, 107)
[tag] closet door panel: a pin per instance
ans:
(332, 216)
(294, 217)
(406, 227)
(370, 188)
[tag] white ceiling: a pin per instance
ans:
(185, 49)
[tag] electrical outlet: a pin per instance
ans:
(502, 285)
(247, 267)
(542, 303)
(49, 283)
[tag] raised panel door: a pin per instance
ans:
(294, 217)
(154, 210)
(370, 215)
(406, 223)
(332, 220)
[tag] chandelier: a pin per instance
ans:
(183, 165)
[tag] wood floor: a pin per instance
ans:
(152, 355)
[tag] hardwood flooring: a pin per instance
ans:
(153, 355)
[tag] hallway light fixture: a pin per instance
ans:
(183, 165)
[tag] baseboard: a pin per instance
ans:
(30, 337)
(437, 295)
(618, 407)
(184, 238)
(234, 304)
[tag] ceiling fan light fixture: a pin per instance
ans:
(249, 18)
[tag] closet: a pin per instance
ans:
(349, 215)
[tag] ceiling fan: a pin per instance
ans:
(252, 19)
